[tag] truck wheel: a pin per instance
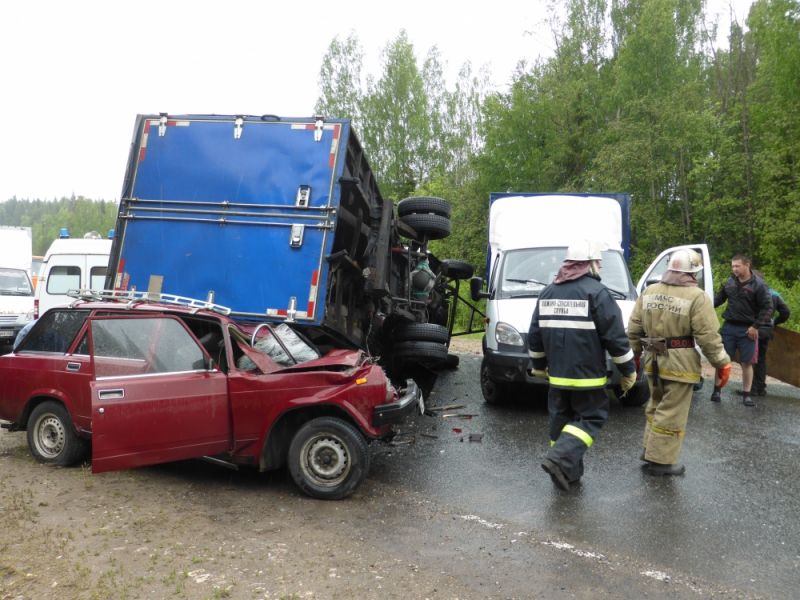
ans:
(422, 352)
(452, 361)
(421, 332)
(52, 438)
(457, 269)
(493, 392)
(423, 205)
(432, 227)
(638, 395)
(328, 458)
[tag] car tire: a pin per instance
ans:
(457, 269)
(638, 395)
(424, 205)
(328, 458)
(493, 391)
(432, 227)
(421, 332)
(433, 353)
(52, 438)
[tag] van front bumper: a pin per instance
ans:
(514, 367)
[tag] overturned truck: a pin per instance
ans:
(282, 220)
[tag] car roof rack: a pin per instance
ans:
(135, 297)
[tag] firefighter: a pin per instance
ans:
(575, 322)
(669, 320)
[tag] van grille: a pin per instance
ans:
(8, 319)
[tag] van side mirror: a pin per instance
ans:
(476, 289)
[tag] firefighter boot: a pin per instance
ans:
(747, 399)
(556, 474)
(659, 469)
(717, 395)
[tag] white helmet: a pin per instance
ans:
(585, 250)
(685, 260)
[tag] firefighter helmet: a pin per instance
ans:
(585, 250)
(685, 260)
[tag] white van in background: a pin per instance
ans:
(16, 291)
(72, 264)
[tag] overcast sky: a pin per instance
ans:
(76, 73)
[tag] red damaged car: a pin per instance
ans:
(140, 383)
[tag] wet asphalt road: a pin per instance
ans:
(732, 520)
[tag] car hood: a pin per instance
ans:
(336, 360)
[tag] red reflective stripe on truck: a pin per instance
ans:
(334, 145)
(312, 293)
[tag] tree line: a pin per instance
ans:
(635, 98)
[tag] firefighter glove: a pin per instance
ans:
(723, 374)
(539, 373)
(627, 382)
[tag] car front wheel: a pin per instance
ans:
(328, 458)
(51, 437)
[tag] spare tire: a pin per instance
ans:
(424, 205)
(430, 352)
(457, 269)
(432, 227)
(421, 332)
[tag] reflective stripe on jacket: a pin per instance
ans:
(573, 325)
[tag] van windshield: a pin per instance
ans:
(527, 271)
(15, 282)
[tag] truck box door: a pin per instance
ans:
(657, 268)
(153, 401)
(241, 212)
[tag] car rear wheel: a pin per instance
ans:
(52, 439)
(328, 458)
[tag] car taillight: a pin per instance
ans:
(36, 308)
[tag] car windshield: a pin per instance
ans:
(527, 271)
(15, 282)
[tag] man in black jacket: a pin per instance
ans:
(575, 322)
(765, 334)
(749, 308)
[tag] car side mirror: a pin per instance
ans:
(476, 289)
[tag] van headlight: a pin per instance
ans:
(506, 334)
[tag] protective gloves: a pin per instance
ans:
(723, 374)
(627, 382)
(539, 373)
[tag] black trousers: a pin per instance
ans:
(576, 417)
(760, 368)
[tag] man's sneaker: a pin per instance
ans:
(657, 469)
(556, 474)
(747, 400)
(716, 396)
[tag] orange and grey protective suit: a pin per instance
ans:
(669, 319)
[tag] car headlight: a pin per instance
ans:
(506, 334)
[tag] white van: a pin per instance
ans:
(71, 264)
(528, 238)
(16, 291)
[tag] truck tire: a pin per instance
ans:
(423, 205)
(328, 458)
(421, 332)
(52, 439)
(493, 391)
(423, 352)
(432, 227)
(457, 269)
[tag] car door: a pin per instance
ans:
(154, 400)
(658, 267)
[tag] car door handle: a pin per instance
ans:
(110, 394)
(73, 366)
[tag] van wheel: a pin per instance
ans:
(493, 392)
(52, 439)
(423, 205)
(328, 458)
(421, 332)
(432, 227)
